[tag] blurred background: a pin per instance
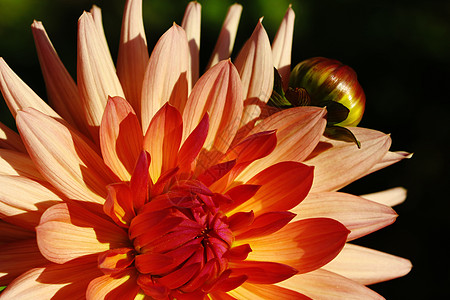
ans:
(401, 53)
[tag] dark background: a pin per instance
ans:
(401, 52)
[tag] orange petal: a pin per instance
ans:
(163, 139)
(116, 260)
(120, 137)
(24, 200)
(225, 42)
(249, 291)
(67, 232)
(18, 257)
(133, 54)
(96, 74)
(12, 233)
(18, 95)
(282, 46)
(62, 90)
(9, 139)
(340, 163)
(305, 245)
(368, 266)
(121, 286)
(389, 197)
(66, 281)
(298, 132)
(255, 66)
(191, 24)
(18, 164)
(119, 204)
(167, 78)
(265, 224)
(64, 158)
(218, 93)
(140, 180)
(283, 186)
(321, 284)
(359, 215)
(262, 272)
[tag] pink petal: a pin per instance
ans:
(120, 137)
(96, 74)
(22, 200)
(367, 266)
(133, 54)
(225, 42)
(389, 159)
(62, 90)
(298, 132)
(219, 93)
(9, 139)
(163, 139)
(67, 232)
(340, 163)
(167, 77)
(66, 281)
(255, 66)
(282, 46)
(18, 257)
(64, 158)
(18, 164)
(121, 286)
(18, 95)
(389, 197)
(321, 284)
(359, 215)
(191, 24)
(96, 13)
(249, 291)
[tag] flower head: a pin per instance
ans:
(152, 182)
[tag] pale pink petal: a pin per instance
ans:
(96, 13)
(22, 200)
(389, 159)
(368, 266)
(19, 164)
(219, 94)
(12, 233)
(391, 197)
(298, 132)
(340, 163)
(255, 66)
(359, 215)
(64, 158)
(9, 139)
(225, 42)
(66, 281)
(249, 291)
(67, 232)
(120, 137)
(282, 46)
(167, 78)
(96, 74)
(18, 257)
(18, 95)
(324, 285)
(191, 24)
(121, 286)
(62, 90)
(133, 54)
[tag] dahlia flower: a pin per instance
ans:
(150, 182)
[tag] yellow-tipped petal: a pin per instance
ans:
(167, 78)
(368, 266)
(191, 24)
(64, 158)
(133, 54)
(225, 42)
(18, 95)
(61, 88)
(282, 46)
(96, 74)
(255, 66)
(9, 139)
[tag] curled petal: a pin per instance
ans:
(191, 24)
(368, 266)
(115, 260)
(167, 77)
(9, 139)
(389, 197)
(225, 42)
(119, 204)
(121, 286)
(133, 54)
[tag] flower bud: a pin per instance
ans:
(334, 85)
